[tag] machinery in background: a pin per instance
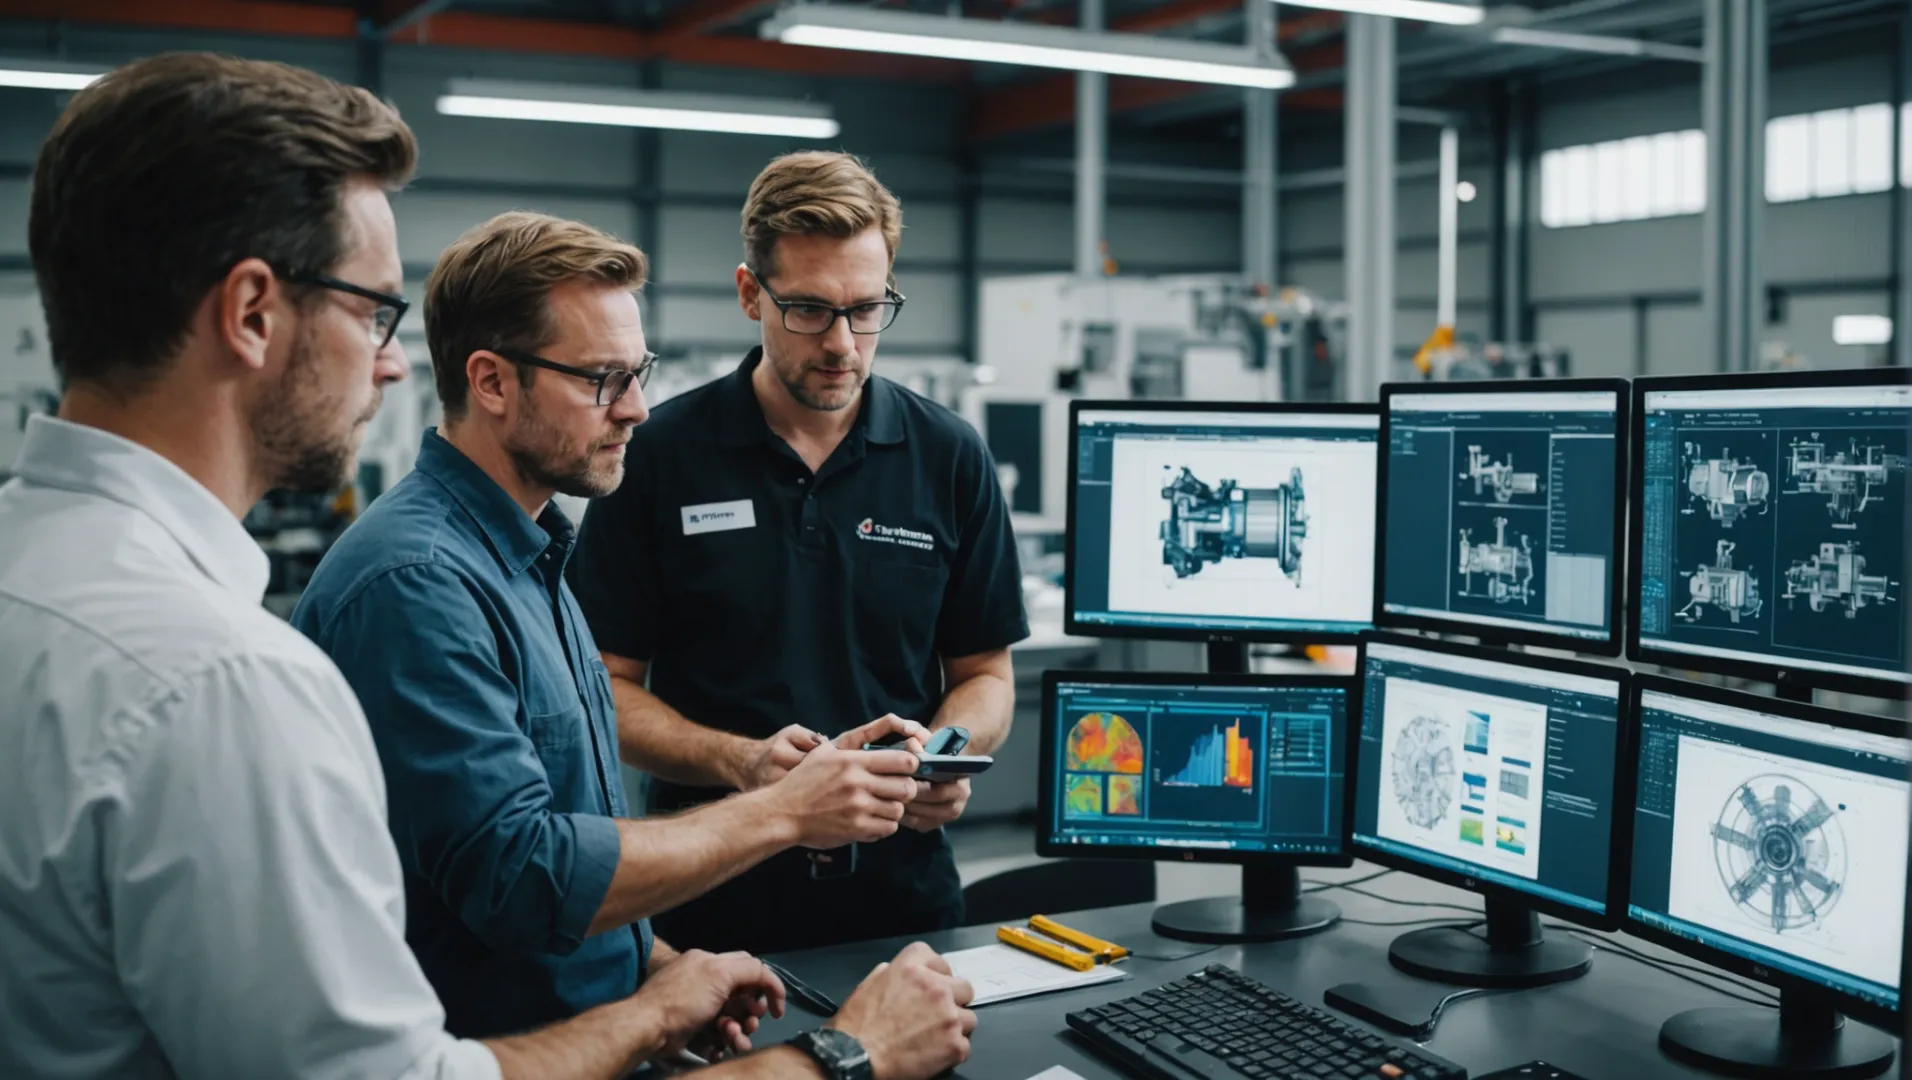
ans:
(1045, 339)
(1446, 358)
(1206, 525)
(1836, 576)
(1509, 569)
(1732, 591)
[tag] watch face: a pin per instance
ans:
(839, 1053)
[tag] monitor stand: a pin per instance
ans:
(1805, 1039)
(1514, 953)
(1272, 907)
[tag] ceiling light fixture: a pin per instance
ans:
(1861, 330)
(46, 74)
(1027, 45)
(637, 108)
(1434, 11)
(1595, 43)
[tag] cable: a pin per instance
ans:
(1677, 970)
(1600, 941)
(1434, 1020)
(1410, 903)
(1172, 959)
(1324, 886)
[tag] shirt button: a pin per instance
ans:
(801, 480)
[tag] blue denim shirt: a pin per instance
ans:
(446, 608)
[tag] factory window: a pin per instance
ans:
(1833, 152)
(1624, 180)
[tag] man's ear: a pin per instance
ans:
(747, 292)
(485, 376)
(247, 310)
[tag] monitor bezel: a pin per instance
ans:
(1620, 834)
(1538, 634)
(1773, 670)
(1165, 633)
(1850, 1005)
(1048, 786)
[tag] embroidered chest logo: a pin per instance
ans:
(869, 530)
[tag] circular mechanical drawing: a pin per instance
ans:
(1781, 853)
(1424, 771)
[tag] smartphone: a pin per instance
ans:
(943, 768)
(948, 741)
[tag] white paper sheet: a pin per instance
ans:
(1000, 973)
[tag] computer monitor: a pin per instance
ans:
(1249, 769)
(1504, 506)
(1221, 521)
(1769, 839)
(1769, 526)
(1496, 772)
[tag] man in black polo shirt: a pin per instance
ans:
(802, 546)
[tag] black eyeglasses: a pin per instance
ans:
(384, 320)
(809, 317)
(611, 384)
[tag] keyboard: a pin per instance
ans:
(1219, 1024)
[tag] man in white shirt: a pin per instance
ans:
(196, 876)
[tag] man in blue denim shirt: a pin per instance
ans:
(446, 608)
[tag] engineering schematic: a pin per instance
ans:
(1509, 570)
(1846, 478)
(1736, 592)
(1781, 859)
(1424, 774)
(1206, 525)
(1837, 576)
(1729, 487)
(1500, 476)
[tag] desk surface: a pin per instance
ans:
(1604, 1026)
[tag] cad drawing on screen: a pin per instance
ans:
(1781, 853)
(1423, 770)
(1836, 577)
(1498, 477)
(1208, 524)
(1735, 592)
(1847, 478)
(1729, 487)
(1508, 569)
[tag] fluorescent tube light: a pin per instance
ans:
(46, 74)
(1434, 11)
(637, 108)
(1594, 43)
(944, 37)
(1861, 330)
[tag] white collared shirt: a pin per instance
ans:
(195, 874)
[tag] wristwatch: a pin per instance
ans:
(838, 1054)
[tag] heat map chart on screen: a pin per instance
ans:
(1104, 763)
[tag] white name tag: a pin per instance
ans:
(719, 517)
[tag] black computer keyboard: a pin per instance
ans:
(1221, 1024)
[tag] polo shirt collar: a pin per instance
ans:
(740, 419)
(514, 538)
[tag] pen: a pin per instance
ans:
(803, 994)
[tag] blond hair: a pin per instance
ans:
(815, 192)
(491, 286)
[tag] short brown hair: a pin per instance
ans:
(489, 289)
(815, 192)
(164, 174)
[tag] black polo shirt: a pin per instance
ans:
(764, 595)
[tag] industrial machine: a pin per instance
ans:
(1206, 525)
(1847, 478)
(1837, 576)
(1500, 477)
(1735, 592)
(1730, 488)
(1509, 569)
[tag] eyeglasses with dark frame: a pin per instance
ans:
(611, 384)
(809, 317)
(384, 320)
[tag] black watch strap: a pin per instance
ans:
(837, 1053)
